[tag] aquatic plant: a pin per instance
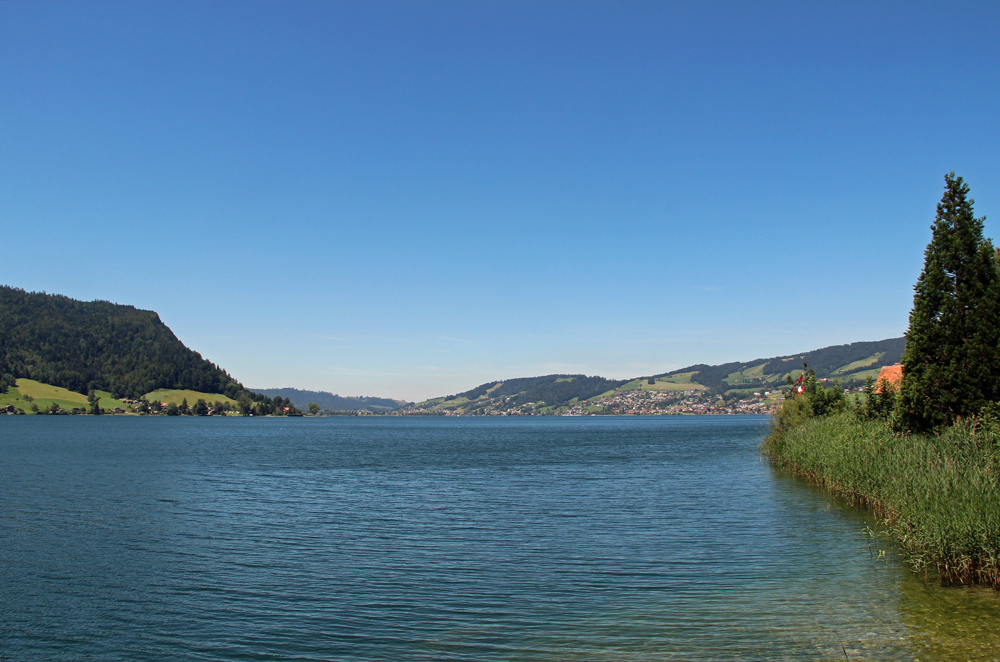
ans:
(938, 495)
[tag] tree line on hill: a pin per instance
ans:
(265, 407)
(97, 345)
(245, 406)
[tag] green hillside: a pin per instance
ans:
(545, 393)
(30, 396)
(740, 381)
(178, 396)
(669, 383)
(848, 364)
(59, 350)
(98, 345)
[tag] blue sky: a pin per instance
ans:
(408, 199)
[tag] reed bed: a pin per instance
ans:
(938, 495)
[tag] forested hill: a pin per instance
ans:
(99, 345)
(550, 390)
(849, 364)
(330, 401)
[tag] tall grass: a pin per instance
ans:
(938, 495)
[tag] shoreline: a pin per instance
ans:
(938, 497)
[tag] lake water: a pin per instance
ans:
(445, 539)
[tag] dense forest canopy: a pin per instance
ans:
(84, 346)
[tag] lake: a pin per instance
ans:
(655, 538)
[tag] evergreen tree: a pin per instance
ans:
(950, 365)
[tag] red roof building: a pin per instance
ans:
(891, 373)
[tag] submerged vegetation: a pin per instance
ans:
(938, 495)
(925, 456)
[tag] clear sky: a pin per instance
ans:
(408, 199)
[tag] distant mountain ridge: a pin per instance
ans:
(849, 364)
(129, 352)
(331, 401)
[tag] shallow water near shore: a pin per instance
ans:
(446, 539)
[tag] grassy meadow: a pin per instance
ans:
(44, 395)
(858, 365)
(678, 382)
(28, 392)
(937, 495)
(747, 375)
(177, 396)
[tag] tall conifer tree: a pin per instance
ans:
(951, 365)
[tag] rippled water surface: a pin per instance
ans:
(445, 539)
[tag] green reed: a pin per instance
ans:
(938, 495)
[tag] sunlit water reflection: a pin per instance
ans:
(388, 539)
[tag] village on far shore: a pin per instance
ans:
(110, 358)
(651, 403)
(635, 402)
